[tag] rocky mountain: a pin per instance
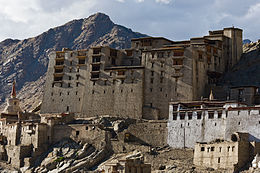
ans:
(247, 68)
(26, 60)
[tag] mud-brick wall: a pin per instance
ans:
(153, 133)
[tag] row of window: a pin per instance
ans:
(113, 91)
(182, 115)
(229, 149)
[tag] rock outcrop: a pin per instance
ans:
(247, 68)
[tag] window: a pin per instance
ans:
(161, 80)
(120, 73)
(182, 115)
(58, 78)
(199, 115)
(177, 61)
(220, 148)
(189, 115)
(113, 61)
(95, 67)
(219, 160)
(77, 84)
(152, 73)
(212, 148)
(152, 64)
(77, 133)
(96, 50)
(59, 70)
(76, 92)
(68, 85)
(151, 80)
(233, 147)
(211, 115)
(69, 77)
(202, 149)
(178, 53)
(219, 114)
(95, 75)
(81, 61)
(174, 116)
(68, 108)
(68, 93)
(96, 59)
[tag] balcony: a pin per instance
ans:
(179, 74)
(59, 66)
(177, 67)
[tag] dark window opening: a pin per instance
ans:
(182, 115)
(178, 62)
(77, 84)
(113, 52)
(58, 70)
(57, 78)
(113, 61)
(96, 59)
(174, 116)
(77, 133)
(199, 115)
(219, 160)
(219, 114)
(95, 75)
(189, 115)
(95, 67)
(178, 53)
(68, 108)
(121, 73)
(96, 50)
(202, 149)
(81, 61)
(211, 115)
(59, 62)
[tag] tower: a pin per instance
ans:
(12, 107)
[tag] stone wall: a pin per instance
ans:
(152, 133)
(81, 132)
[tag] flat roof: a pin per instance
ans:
(155, 38)
(124, 67)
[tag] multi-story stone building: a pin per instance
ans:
(138, 82)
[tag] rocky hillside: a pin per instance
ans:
(26, 60)
(247, 68)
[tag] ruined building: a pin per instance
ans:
(231, 155)
(138, 82)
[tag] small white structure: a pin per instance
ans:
(12, 107)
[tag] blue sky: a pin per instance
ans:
(173, 19)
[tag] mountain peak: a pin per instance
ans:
(99, 17)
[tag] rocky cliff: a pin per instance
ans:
(246, 71)
(26, 60)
